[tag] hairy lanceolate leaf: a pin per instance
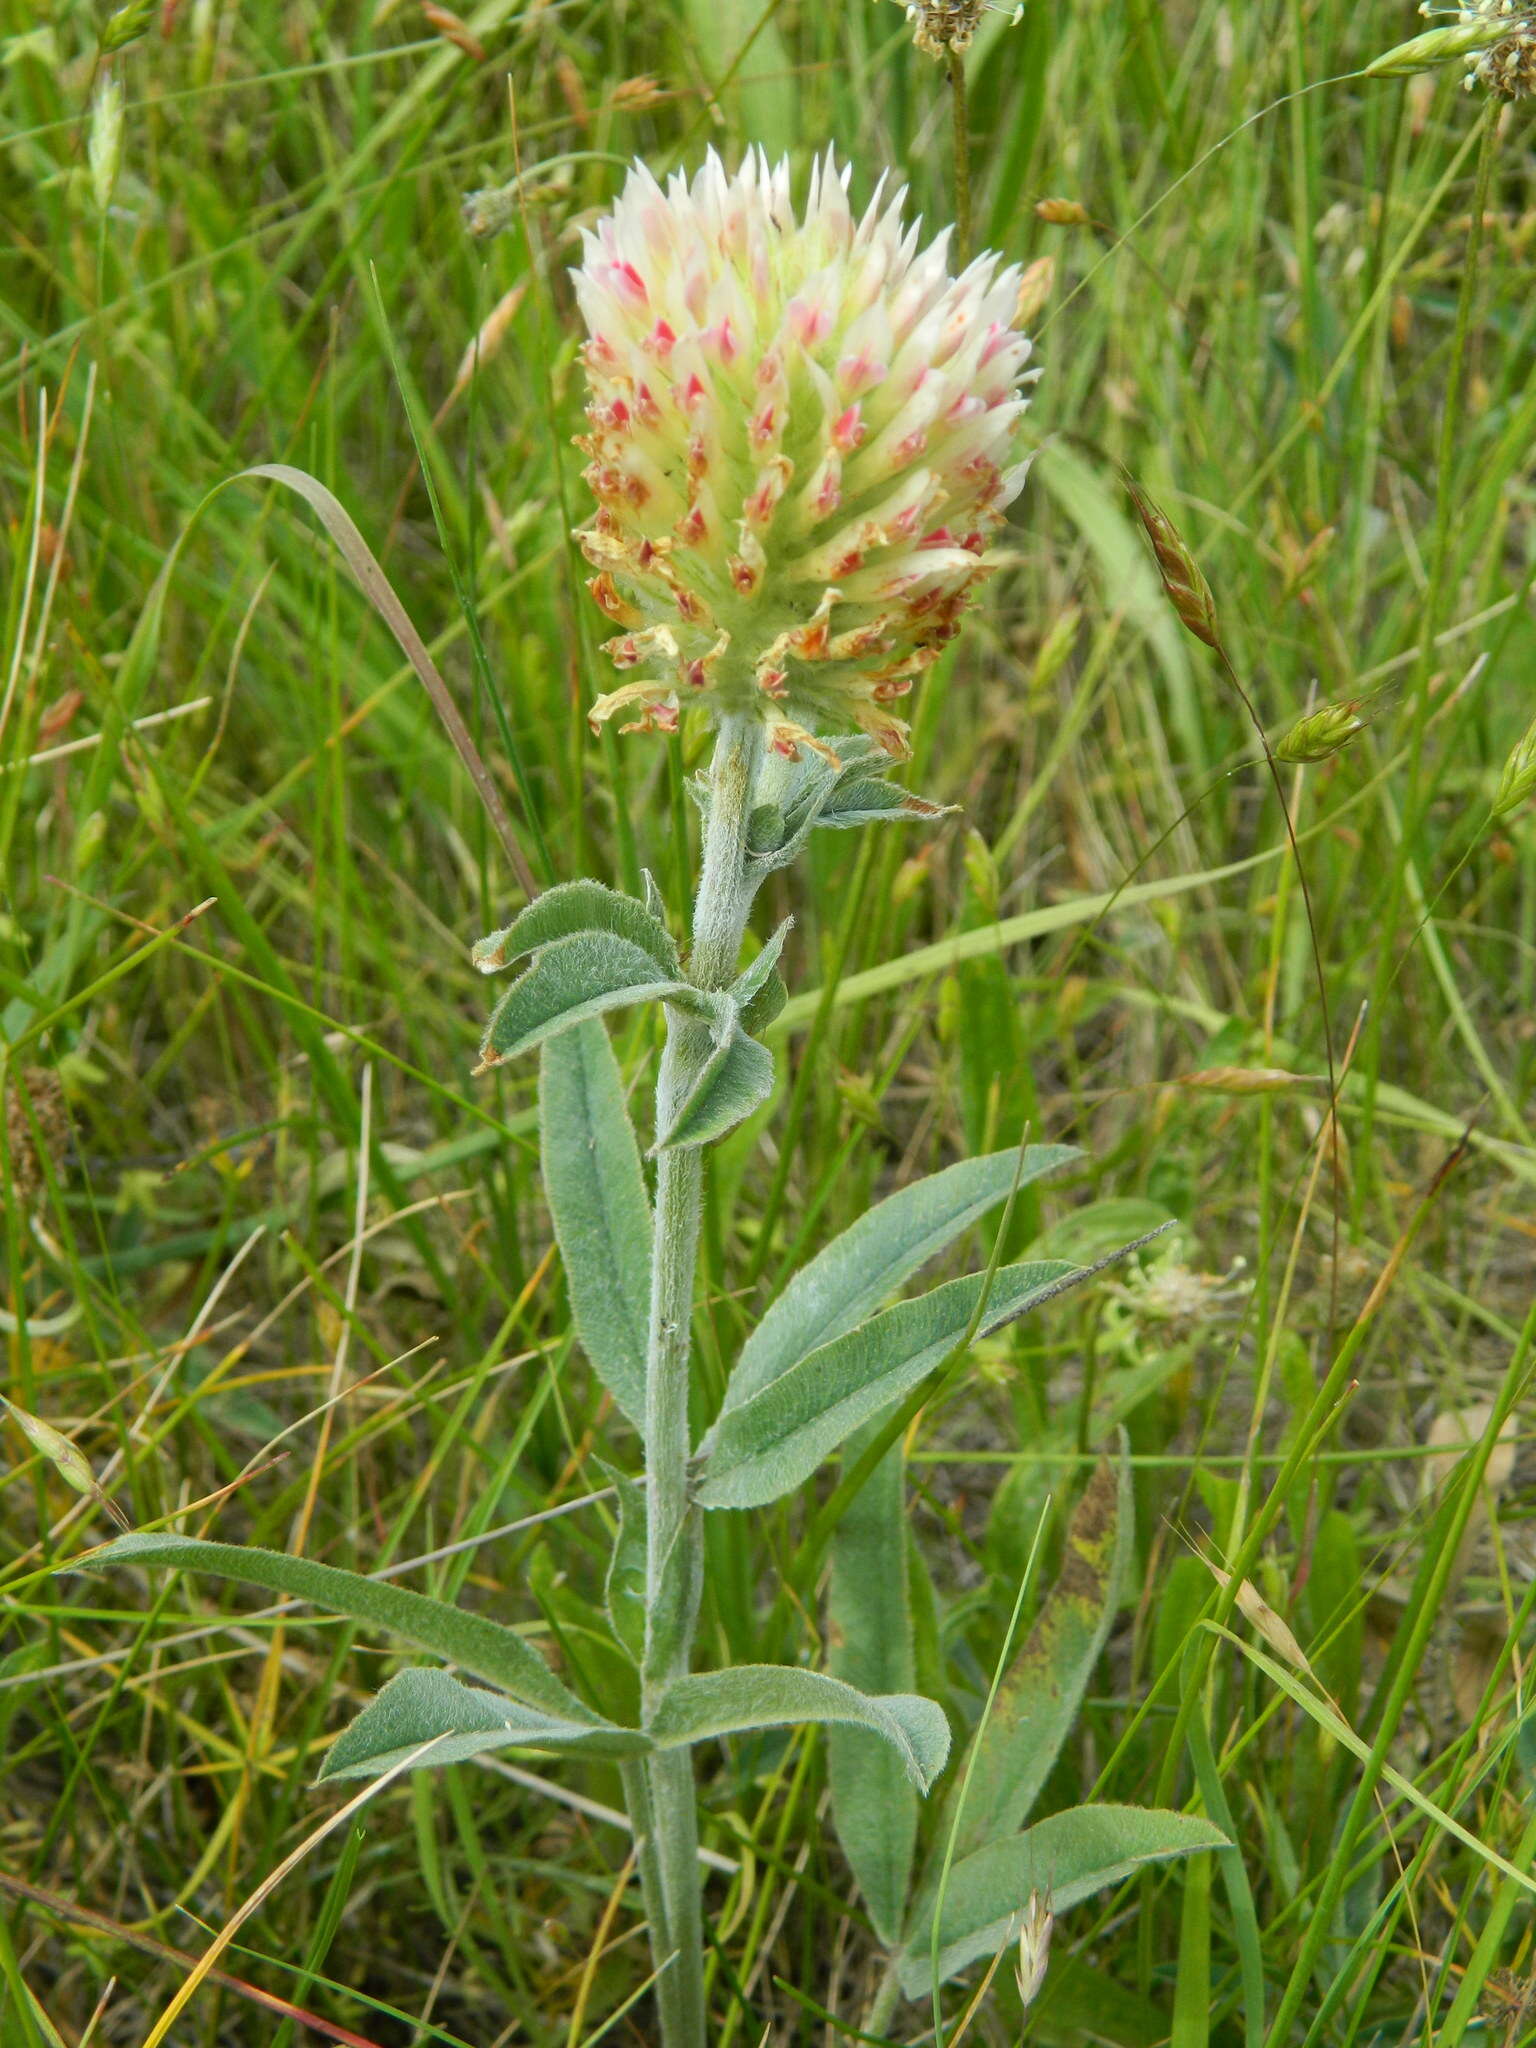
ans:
(868, 800)
(863, 1268)
(597, 1198)
(460, 1721)
(576, 978)
(1066, 1858)
(765, 1005)
(736, 1078)
(750, 982)
(869, 1611)
(718, 1703)
(1038, 1700)
(472, 1641)
(573, 907)
(773, 1443)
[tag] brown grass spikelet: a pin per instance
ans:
(1062, 213)
(1188, 592)
(444, 22)
(634, 95)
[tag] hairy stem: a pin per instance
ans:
(882, 2008)
(674, 1539)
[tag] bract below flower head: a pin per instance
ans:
(802, 435)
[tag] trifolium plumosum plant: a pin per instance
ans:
(802, 440)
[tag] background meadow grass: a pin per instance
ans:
(266, 1238)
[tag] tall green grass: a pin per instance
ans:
(280, 1248)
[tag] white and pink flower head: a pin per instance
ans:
(802, 441)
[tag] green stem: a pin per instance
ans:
(674, 1536)
(1388, 962)
(962, 124)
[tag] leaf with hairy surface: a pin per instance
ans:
(601, 1212)
(772, 1443)
(1067, 1858)
(471, 1641)
(860, 1270)
(708, 1705)
(460, 1721)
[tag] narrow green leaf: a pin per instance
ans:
(578, 907)
(1192, 1986)
(597, 1198)
(871, 1646)
(1039, 1698)
(743, 55)
(476, 1644)
(461, 1721)
(576, 978)
(863, 1268)
(713, 1704)
(772, 1443)
(736, 1079)
(1068, 1857)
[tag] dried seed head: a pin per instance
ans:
(1062, 213)
(31, 1139)
(939, 26)
(453, 30)
(802, 434)
(634, 95)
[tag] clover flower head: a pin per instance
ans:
(802, 437)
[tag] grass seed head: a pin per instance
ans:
(1496, 38)
(104, 147)
(1034, 1947)
(127, 25)
(802, 434)
(1186, 588)
(1320, 734)
(1519, 777)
